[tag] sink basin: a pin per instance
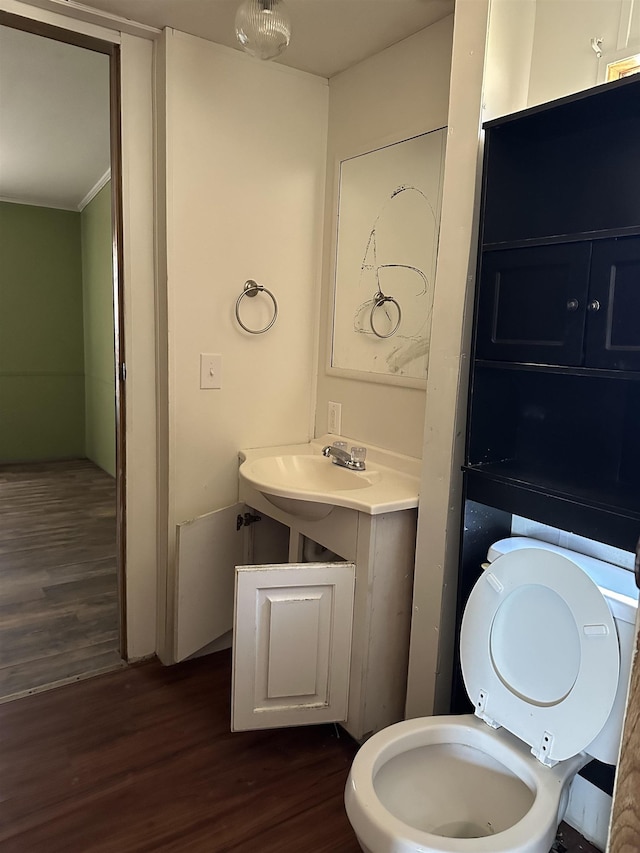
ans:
(302, 482)
(311, 473)
(287, 480)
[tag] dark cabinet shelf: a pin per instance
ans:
(567, 169)
(560, 370)
(622, 499)
(611, 517)
(573, 237)
(543, 427)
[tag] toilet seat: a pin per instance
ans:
(539, 652)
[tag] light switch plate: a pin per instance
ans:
(210, 370)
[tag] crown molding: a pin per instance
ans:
(96, 17)
(95, 189)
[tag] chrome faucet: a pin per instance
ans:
(353, 460)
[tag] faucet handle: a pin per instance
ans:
(358, 454)
(341, 445)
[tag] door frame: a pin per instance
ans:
(112, 51)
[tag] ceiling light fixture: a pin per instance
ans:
(263, 27)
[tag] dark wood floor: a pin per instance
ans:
(142, 760)
(58, 584)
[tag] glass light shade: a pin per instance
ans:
(263, 27)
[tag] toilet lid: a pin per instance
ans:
(539, 652)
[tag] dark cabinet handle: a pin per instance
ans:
(594, 305)
(572, 305)
(637, 564)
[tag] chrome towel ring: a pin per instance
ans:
(251, 289)
(378, 302)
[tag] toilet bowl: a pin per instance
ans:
(546, 645)
(453, 784)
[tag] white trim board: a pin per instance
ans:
(92, 22)
(95, 189)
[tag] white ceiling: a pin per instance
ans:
(54, 120)
(54, 104)
(327, 35)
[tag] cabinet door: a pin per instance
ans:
(613, 317)
(292, 644)
(532, 303)
(207, 550)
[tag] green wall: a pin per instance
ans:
(41, 337)
(97, 285)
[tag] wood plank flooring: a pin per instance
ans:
(142, 760)
(58, 582)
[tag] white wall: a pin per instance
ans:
(540, 50)
(245, 169)
(508, 60)
(563, 61)
(396, 94)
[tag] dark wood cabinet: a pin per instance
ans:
(553, 429)
(554, 403)
(562, 304)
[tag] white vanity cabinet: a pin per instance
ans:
(320, 642)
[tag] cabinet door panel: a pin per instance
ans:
(207, 550)
(613, 323)
(532, 304)
(292, 644)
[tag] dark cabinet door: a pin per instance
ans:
(532, 303)
(613, 308)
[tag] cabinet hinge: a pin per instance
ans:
(123, 371)
(246, 519)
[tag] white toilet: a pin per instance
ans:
(545, 646)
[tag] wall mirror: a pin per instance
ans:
(389, 204)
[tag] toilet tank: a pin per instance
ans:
(618, 588)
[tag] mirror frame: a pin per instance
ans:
(349, 372)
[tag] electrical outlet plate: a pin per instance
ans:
(334, 418)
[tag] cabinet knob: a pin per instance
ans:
(594, 305)
(572, 304)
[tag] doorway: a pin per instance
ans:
(62, 608)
